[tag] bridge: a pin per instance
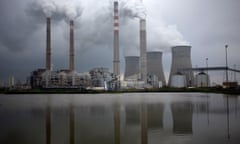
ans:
(209, 69)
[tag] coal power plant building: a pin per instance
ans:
(181, 59)
(155, 67)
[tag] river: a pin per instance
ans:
(130, 118)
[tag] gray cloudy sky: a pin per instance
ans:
(207, 25)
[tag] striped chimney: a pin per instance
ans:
(116, 61)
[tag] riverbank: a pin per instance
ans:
(160, 90)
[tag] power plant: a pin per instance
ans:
(144, 71)
(181, 58)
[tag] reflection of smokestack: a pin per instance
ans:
(48, 46)
(143, 48)
(71, 60)
(116, 61)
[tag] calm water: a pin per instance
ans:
(146, 118)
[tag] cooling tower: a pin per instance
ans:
(181, 58)
(143, 48)
(71, 57)
(154, 65)
(131, 66)
(48, 45)
(116, 61)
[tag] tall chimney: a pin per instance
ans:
(71, 58)
(143, 48)
(116, 61)
(48, 44)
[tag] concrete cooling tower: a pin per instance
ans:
(154, 66)
(131, 67)
(181, 58)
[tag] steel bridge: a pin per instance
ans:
(209, 69)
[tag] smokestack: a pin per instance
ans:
(143, 48)
(71, 58)
(48, 45)
(116, 61)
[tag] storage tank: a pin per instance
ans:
(178, 81)
(154, 66)
(181, 59)
(202, 80)
(131, 66)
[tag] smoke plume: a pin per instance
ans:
(70, 9)
(132, 9)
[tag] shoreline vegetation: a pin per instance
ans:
(232, 91)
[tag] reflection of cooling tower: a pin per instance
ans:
(131, 66)
(182, 118)
(71, 60)
(181, 58)
(155, 116)
(154, 65)
(48, 45)
(132, 115)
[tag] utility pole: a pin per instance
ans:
(226, 47)
(207, 71)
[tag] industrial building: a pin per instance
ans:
(69, 78)
(102, 79)
(42, 78)
(202, 80)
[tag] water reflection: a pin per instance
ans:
(189, 119)
(182, 117)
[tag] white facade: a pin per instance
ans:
(178, 81)
(202, 80)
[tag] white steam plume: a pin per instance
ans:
(71, 9)
(46, 6)
(132, 9)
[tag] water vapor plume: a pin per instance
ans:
(69, 9)
(132, 9)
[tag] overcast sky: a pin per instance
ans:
(207, 25)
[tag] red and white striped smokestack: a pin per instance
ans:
(48, 44)
(116, 61)
(71, 58)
